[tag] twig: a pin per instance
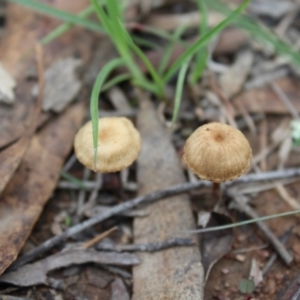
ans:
(285, 100)
(175, 242)
(171, 191)
(279, 247)
(273, 257)
(93, 196)
(55, 241)
(98, 238)
(82, 193)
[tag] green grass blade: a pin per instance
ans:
(204, 16)
(204, 40)
(116, 80)
(179, 88)
(73, 179)
(65, 27)
(201, 57)
(94, 110)
(155, 76)
(199, 66)
(59, 14)
(168, 52)
(262, 34)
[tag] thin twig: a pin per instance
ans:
(98, 238)
(152, 247)
(146, 199)
(285, 100)
(273, 257)
(279, 247)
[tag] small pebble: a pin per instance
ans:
(225, 271)
(240, 257)
(227, 284)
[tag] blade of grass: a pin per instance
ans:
(116, 80)
(73, 179)
(94, 107)
(204, 40)
(179, 88)
(201, 57)
(59, 14)
(167, 54)
(260, 33)
(65, 27)
(155, 76)
(265, 218)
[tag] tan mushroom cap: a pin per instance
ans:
(217, 152)
(119, 144)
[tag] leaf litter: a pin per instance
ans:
(246, 104)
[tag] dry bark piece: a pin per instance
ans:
(24, 197)
(61, 84)
(217, 152)
(119, 144)
(174, 273)
(7, 85)
(36, 273)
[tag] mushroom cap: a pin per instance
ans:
(217, 152)
(119, 144)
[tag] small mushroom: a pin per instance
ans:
(119, 144)
(217, 152)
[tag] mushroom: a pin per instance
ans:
(217, 152)
(119, 144)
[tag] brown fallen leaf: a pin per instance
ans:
(24, 197)
(175, 273)
(36, 273)
(11, 157)
(265, 100)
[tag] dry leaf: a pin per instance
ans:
(119, 290)
(215, 244)
(7, 85)
(264, 99)
(32, 185)
(36, 273)
(233, 79)
(255, 273)
(175, 273)
(61, 84)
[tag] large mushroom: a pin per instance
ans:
(119, 144)
(217, 152)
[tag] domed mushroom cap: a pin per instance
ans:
(119, 144)
(217, 152)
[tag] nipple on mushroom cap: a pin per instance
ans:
(217, 152)
(119, 144)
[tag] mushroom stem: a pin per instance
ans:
(216, 190)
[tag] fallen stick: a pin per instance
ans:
(151, 247)
(145, 199)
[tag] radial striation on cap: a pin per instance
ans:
(119, 144)
(217, 152)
